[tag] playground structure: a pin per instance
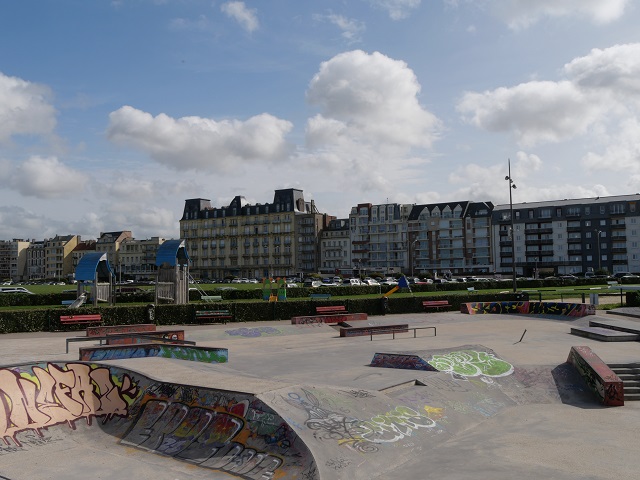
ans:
(274, 290)
(172, 278)
(95, 280)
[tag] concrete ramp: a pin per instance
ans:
(90, 409)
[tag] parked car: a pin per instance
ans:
(352, 282)
(15, 290)
(371, 282)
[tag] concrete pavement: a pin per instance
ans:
(537, 421)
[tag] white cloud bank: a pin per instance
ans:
(195, 143)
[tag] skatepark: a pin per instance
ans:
(299, 401)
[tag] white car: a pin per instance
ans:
(14, 290)
(371, 282)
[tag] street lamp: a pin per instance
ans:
(513, 236)
(598, 232)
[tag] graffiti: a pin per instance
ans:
(192, 353)
(494, 307)
(195, 354)
(394, 425)
(597, 375)
(469, 363)
(199, 435)
(407, 362)
(562, 308)
(53, 395)
(363, 436)
(549, 308)
(312, 321)
(28, 439)
(358, 393)
(329, 425)
(253, 332)
(338, 464)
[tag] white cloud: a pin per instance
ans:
(46, 177)
(246, 17)
(520, 14)
(622, 153)
(351, 29)
(397, 9)
(25, 108)
(534, 112)
(614, 70)
(371, 122)
(200, 143)
(369, 98)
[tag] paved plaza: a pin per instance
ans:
(534, 420)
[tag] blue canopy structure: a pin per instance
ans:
(172, 280)
(91, 263)
(94, 275)
(172, 252)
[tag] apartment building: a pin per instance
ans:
(58, 257)
(137, 258)
(13, 260)
(450, 238)
(335, 248)
(109, 243)
(568, 236)
(379, 238)
(274, 239)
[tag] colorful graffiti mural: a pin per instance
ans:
(213, 429)
(471, 363)
(43, 396)
(547, 308)
(181, 352)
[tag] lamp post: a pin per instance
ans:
(598, 232)
(513, 236)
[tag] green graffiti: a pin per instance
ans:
(470, 363)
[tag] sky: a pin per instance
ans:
(113, 113)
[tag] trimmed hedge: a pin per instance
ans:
(48, 319)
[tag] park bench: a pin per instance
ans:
(436, 304)
(216, 316)
(331, 310)
(67, 302)
(320, 296)
(79, 319)
(211, 298)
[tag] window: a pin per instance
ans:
(587, 223)
(603, 223)
(558, 212)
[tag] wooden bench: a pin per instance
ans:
(78, 319)
(437, 304)
(320, 296)
(331, 310)
(211, 298)
(218, 316)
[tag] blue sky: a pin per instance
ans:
(112, 113)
